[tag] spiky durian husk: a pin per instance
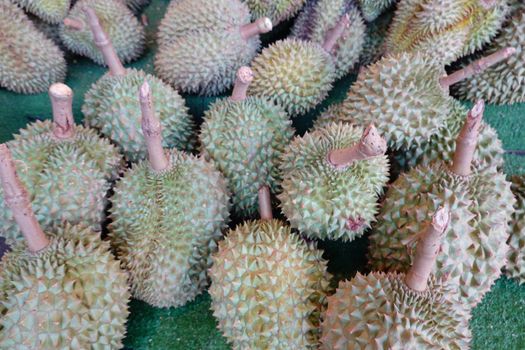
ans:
(29, 61)
(515, 267)
(268, 287)
(379, 311)
(52, 11)
(276, 10)
(258, 131)
(371, 9)
(51, 31)
(374, 38)
(122, 27)
(185, 17)
(70, 295)
(322, 201)
(503, 83)
(474, 249)
(165, 225)
(294, 73)
(205, 63)
(112, 106)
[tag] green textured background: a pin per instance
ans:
(497, 323)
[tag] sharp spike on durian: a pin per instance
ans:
(242, 82)
(62, 103)
(73, 23)
(265, 203)
(259, 26)
(335, 33)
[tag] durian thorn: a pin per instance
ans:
(427, 250)
(103, 43)
(260, 26)
(335, 33)
(476, 67)
(242, 82)
(370, 145)
(73, 23)
(467, 140)
(152, 130)
(62, 104)
(17, 199)
(265, 203)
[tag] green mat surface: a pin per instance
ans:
(497, 323)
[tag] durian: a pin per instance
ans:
(371, 9)
(258, 131)
(29, 61)
(122, 27)
(409, 311)
(269, 286)
(515, 267)
(480, 202)
(167, 215)
(332, 179)
(277, 10)
(65, 290)
(52, 11)
(111, 104)
(66, 167)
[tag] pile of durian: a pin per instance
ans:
(143, 202)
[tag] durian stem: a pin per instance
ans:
(467, 140)
(62, 103)
(265, 203)
(370, 145)
(104, 44)
(427, 251)
(260, 26)
(243, 80)
(335, 33)
(17, 199)
(73, 23)
(476, 67)
(152, 130)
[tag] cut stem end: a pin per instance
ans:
(62, 104)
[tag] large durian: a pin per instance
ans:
(111, 104)
(52, 11)
(258, 131)
(515, 267)
(122, 27)
(409, 311)
(167, 215)
(29, 61)
(332, 179)
(67, 169)
(372, 9)
(269, 286)
(277, 10)
(65, 290)
(480, 202)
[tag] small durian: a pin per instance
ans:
(515, 267)
(118, 22)
(277, 10)
(67, 169)
(51, 11)
(29, 61)
(332, 179)
(411, 311)
(372, 9)
(480, 201)
(167, 215)
(65, 290)
(111, 104)
(269, 286)
(258, 131)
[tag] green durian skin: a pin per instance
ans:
(123, 29)
(474, 249)
(70, 295)
(51, 11)
(165, 225)
(67, 180)
(322, 201)
(111, 105)
(269, 287)
(296, 74)
(277, 10)
(515, 267)
(29, 61)
(372, 9)
(379, 311)
(258, 131)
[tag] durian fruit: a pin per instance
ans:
(515, 267)
(504, 83)
(322, 18)
(332, 179)
(52, 11)
(66, 167)
(409, 311)
(269, 286)
(29, 61)
(65, 290)
(258, 131)
(480, 202)
(118, 22)
(371, 9)
(111, 104)
(167, 215)
(444, 29)
(277, 10)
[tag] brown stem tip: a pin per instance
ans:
(260, 26)
(335, 33)
(73, 23)
(243, 80)
(265, 203)
(62, 103)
